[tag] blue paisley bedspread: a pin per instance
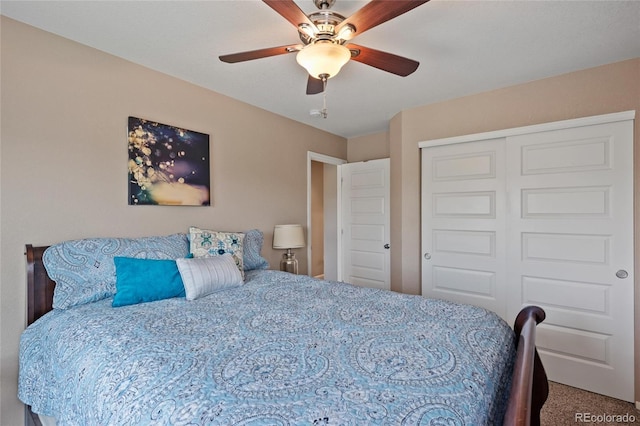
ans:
(279, 350)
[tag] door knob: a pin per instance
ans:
(427, 256)
(387, 246)
(622, 274)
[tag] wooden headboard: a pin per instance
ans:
(39, 285)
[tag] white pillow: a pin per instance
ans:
(205, 275)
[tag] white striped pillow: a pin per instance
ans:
(202, 276)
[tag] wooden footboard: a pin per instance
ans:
(529, 387)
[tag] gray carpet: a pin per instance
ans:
(570, 406)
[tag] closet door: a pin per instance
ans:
(570, 251)
(463, 220)
(542, 217)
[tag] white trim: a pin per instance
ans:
(325, 158)
(339, 260)
(536, 128)
(314, 156)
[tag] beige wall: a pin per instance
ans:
(606, 89)
(368, 147)
(64, 162)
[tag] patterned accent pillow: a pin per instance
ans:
(252, 258)
(84, 270)
(207, 243)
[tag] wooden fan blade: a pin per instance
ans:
(384, 61)
(260, 53)
(291, 12)
(314, 86)
(377, 12)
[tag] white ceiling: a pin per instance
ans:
(463, 47)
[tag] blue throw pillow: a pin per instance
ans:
(146, 280)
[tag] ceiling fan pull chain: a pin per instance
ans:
(324, 97)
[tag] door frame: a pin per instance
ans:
(323, 158)
(534, 128)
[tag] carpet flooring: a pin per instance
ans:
(571, 406)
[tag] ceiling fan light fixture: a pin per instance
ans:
(323, 58)
(347, 32)
(307, 30)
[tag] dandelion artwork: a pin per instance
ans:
(167, 165)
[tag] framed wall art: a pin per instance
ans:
(168, 165)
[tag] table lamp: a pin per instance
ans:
(288, 237)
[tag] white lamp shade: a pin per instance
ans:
(323, 58)
(288, 236)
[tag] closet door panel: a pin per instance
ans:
(463, 234)
(570, 228)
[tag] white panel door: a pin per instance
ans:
(463, 217)
(365, 223)
(544, 218)
(571, 250)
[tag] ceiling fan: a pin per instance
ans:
(325, 37)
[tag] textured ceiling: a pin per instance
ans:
(463, 47)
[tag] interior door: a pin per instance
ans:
(366, 223)
(571, 250)
(463, 216)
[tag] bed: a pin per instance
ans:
(280, 349)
